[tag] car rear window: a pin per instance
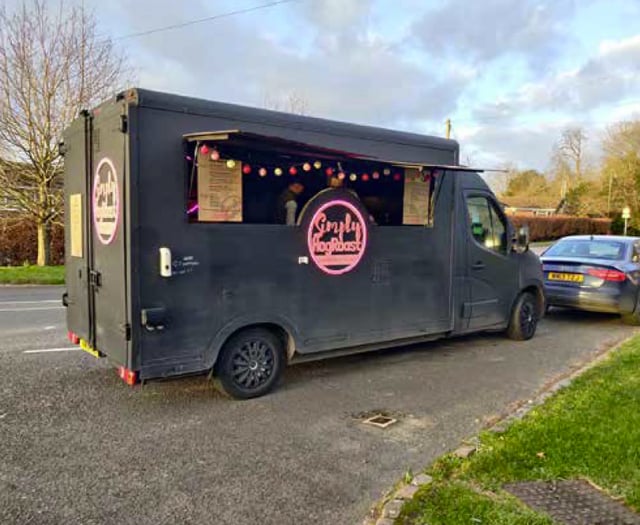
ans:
(596, 249)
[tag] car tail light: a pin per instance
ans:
(607, 275)
(128, 376)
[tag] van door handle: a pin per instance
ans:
(479, 265)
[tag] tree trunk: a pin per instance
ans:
(43, 244)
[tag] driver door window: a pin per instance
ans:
(487, 226)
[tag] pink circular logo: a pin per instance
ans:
(337, 237)
(106, 201)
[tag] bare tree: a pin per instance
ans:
(52, 64)
(571, 147)
(292, 102)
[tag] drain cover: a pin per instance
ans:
(380, 421)
(573, 502)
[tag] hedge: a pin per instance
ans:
(19, 242)
(556, 226)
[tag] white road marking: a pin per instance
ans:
(46, 350)
(31, 309)
(32, 302)
(50, 327)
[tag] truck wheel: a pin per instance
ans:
(524, 318)
(251, 363)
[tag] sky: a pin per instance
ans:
(510, 74)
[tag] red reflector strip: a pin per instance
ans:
(75, 339)
(607, 275)
(128, 376)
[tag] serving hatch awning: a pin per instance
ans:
(258, 141)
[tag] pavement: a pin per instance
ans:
(79, 446)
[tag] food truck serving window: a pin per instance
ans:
(236, 177)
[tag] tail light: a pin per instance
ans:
(128, 376)
(607, 275)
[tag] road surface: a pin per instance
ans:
(79, 446)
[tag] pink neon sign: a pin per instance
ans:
(337, 237)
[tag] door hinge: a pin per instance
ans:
(124, 123)
(126, 328)
(95, 278)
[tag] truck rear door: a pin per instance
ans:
(97, 281)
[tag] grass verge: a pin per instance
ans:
(589, 430)
(31, 274)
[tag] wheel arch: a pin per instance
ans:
(280, 326)
(537, 291)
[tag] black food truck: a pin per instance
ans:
(210, 237)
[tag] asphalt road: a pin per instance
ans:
(79, 446)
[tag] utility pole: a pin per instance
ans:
(448, 128)
(609, 195)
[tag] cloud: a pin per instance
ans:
(337, 15)
(607, 78)
(341, 68)
(483, 31)
(526, 146)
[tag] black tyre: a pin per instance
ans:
(524, 318)
(251, 363)
(633, 318)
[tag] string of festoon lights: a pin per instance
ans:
(294, 169)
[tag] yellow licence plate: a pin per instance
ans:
(567, 277)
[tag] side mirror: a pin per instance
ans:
(523, 239)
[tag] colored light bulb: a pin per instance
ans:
(277, 172)
(204, 149)
(306, 166)
(246, 169)
(293, 170)
(231, 163)
(317, 164)
(215, 155)
(262, 172)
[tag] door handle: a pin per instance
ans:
(479, 265)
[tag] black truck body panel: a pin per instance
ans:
(413, 283)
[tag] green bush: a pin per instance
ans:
(617, 227)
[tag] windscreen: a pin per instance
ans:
(590, 248)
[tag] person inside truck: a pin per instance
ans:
(334, 182)
(288, 204)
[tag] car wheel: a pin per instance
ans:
(251, 363)
(524, 318)
(633, 318)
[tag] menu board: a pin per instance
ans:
(75, 224)
(219, 190)
(416, 198)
